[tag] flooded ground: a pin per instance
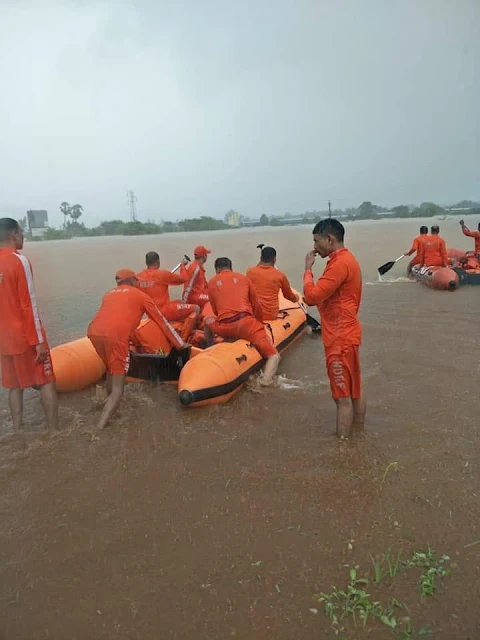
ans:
(226, 521)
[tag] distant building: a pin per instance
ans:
(232, 218)
(37, 222)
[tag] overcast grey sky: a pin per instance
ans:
(200, 106)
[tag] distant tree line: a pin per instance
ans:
(72, 227)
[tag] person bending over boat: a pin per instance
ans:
(155, 282)
(24, 352)
(415, 248)
(195, 289)
(433, 250)
(472, 234)
(268, 281)
(337, 295)
(239, 314)
(116, 320)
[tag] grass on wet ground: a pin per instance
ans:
(354, 607)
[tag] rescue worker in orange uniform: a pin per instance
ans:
(110, 330)
(239, 314)
(195, 290)
(268, 281)
(337, 295)
(433, 250)
(24, 351)
(155, 282)
(415, 248)
(472, 234)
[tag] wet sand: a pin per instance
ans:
(225, 521)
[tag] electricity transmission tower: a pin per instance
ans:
(329, 209)
(132, 203)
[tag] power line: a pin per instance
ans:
(132, 200)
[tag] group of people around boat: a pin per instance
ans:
(240, 303)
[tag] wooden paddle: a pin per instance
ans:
(388, 265)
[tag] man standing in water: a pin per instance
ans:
(337, 295)
(25, 355)
(416, 248)
(239, 314)
(120, 312)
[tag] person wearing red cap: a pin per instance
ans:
(239, 314)
(195, 290)
(155, 282)
(110, 330)
(24, 352)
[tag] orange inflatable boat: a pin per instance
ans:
(204, 375)
(436, 277)
(466, 265)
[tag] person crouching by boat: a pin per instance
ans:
(195, 289)
(416, 247)
(239, 314)
(338, 295)
(116, 320)
(155, 282)
(268, 281)
(472, 234)
(433, 250)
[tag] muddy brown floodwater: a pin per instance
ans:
(224, 522)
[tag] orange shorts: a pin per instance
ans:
(177, 310)
(343, 367)
(250, 329)
(21, 371)
(114, 353)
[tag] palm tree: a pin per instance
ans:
(65, 209)
(76, 211)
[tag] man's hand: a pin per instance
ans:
(184, 261)
(42, 353)
(310, 260)
(184, 346)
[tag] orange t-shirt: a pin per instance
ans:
(268, 281)
(473, 234)
(196, 282)
(20, 325)
(232, 293)
(417, 242)
(122, 309)
(155, 283)
(337, 294)
(433, 252)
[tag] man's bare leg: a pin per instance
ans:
(270, 370)
(344, 418)
(15, 400)
(49, 400)
(208, 334)
(359, 411)
(113, 400)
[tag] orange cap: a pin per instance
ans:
(201, 251)
(125, 274)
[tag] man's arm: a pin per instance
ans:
(287, 290)
(175, 279)
(421, 255)
(256, 306)
(326, 286)
(28, 303)
(413, 249)
(211, 296)
(152, 311)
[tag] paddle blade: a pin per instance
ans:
(386, 267)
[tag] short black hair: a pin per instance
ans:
(423, 230)
(268, 254)
(223, 263)
(435, 228)
(7, 227)
(330, 227)
(479, 226)
(151, 258)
